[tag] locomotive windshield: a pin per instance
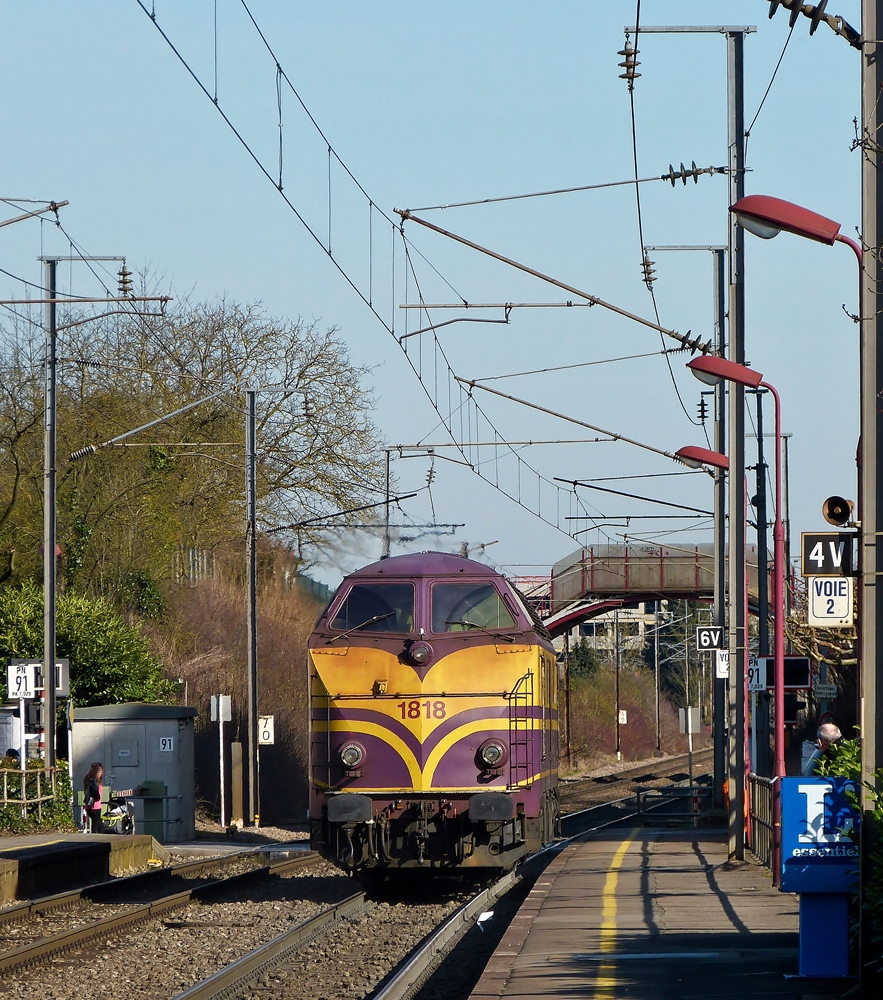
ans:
(461, 607)
(377, 607)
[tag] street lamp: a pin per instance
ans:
(707, 368)
(766, 217)
(696, 457)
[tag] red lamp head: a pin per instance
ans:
(766, 217)
(711, 369)
(695, 457)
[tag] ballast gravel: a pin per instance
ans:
(159, 959)
(348, 962)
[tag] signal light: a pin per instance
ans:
(351, 755)
(838, 510)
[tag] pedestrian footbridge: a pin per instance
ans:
(599, 578)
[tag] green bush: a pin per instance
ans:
(110, 659)
(584, 661)
(56, 815)
(845, 761)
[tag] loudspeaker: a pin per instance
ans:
(838, 510)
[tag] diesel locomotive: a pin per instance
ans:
(433, 719)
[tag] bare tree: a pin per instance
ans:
(136, 511)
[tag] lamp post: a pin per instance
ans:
(711, 370)
(696, 457)
(766, 217)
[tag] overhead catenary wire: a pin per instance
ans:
(259, 164)
(766, 93)
(514, 494)
(646, 263)
(563, 416)
(475, 466)
(471, 409)
(634, 496)
(646, 475)
(671, 176)
(581, 364)
(685, 340)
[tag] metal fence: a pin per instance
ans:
(760, 818)
(27, 789)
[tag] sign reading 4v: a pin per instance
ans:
(827, 553)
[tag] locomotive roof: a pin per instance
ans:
(421, 564)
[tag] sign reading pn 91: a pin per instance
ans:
(21, 679)
(827, 553)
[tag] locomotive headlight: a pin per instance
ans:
(492, 753)
(351, 755)
(420, 652)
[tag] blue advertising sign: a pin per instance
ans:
(819, 825)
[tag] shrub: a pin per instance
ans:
(110, 659)
(56, 815)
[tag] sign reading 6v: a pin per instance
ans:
(709, 637)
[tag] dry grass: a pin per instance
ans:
(206, 648)
(593, 718)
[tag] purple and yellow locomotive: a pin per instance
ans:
(433, 719)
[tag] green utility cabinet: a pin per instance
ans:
(154, 795)
(148, 751)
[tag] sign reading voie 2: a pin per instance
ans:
(829, 601)
(818, 824)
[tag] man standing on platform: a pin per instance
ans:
(828, 736)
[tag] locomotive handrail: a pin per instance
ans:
(514, 693)
(393, 695)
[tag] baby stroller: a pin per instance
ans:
(117, 816)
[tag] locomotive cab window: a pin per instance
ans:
(377, 607)
(466, 607)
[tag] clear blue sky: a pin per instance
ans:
(435, 103)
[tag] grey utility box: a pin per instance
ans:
(147, 750)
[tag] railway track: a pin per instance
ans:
(108, 888)
(355, 933)
(582, 792)
(276, 968)
(124, 912)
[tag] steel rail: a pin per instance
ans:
(113, 886)
(39, 950)
(571, 788)
(411, 973)
(422, 959)
(271, 952)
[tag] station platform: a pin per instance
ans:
(46, 863)
(656, 914)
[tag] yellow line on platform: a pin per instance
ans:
(604, 980)
(28, 847)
